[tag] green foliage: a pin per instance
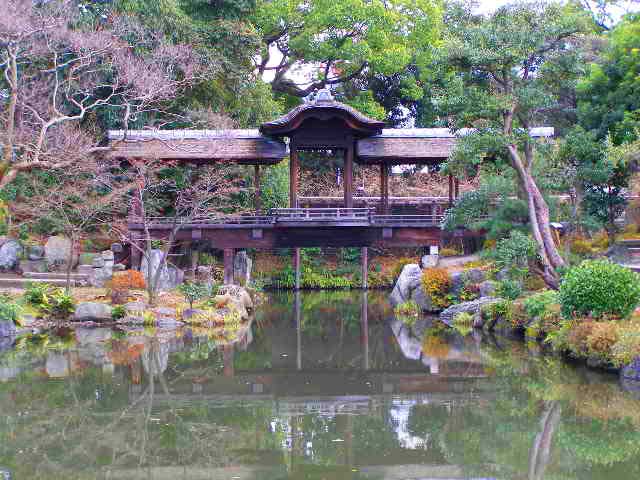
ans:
(536, 304)
(59, 304)
(118, 312)
(607, 97)
(385, 36)
(514, 253)
(36, 294)
(509, 289)
(408, 312)
(10, 311)
(599, 288)
(463, 323)
(193, 291)
(275, 186)
(52, 301)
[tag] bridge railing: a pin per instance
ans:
(365, 216)
(321, 214)
(407, 220)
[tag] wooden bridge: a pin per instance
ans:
(323, 125)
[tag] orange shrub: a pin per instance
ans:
(436, 283)
(127, 280)
(603, 336)
(578, 337)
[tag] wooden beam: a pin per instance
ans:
(229, 256)
(294, 169)
(348, 176)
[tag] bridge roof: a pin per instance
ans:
(326, 109)
(394, 146)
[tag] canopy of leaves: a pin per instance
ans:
(344, 40)
(609, 98)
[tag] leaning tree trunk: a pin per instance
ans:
(539, 219)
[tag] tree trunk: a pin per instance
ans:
(12, 76)
(539, 219)
(72, 238)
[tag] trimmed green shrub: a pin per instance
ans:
(193, 292)
(599, 287)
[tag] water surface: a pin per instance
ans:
(318, 386)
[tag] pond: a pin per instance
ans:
(320, 385)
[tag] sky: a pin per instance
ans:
(486, 6)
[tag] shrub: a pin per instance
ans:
(193, 292)
(534, 283)
(450, 252)
(127, 280)
(602, 338)
(627, 348)
(59, 304)
(463, 323)
(515, 251)
(408, 312)
(36, 294)
(509, 289)
(581, 246)
(599, 287)
(122, 282)
(118, 312)
(519, 316)
(9, 310)
(578, 336)
(435, 346)
(436, 283)
(536, 305)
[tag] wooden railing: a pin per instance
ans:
(321, 214)
(360, 216)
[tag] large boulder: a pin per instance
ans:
(631, 371)
(36, 252)
(102, 269)
(474, 308)
(57, 251)
(408, 281)
(488, 288)
(170, 276)
(7, 328)
(10, 252)
(92, 311)
(242, 265)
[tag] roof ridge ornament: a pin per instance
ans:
(324, 96)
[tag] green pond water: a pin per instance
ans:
(318, 386)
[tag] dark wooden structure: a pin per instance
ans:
(321, 125)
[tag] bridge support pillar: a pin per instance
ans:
(229, 254)
(296, 266)
(364, 256)
(348, 176)
(258, 191)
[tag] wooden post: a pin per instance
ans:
(229, 255)
(457, 188)
(258, 192)
(348, 176)
(364, 254)
(384, 189)
(294, 170)
(451, 188)
(296, 266)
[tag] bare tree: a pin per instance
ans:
(209, 191)
(57, 75)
